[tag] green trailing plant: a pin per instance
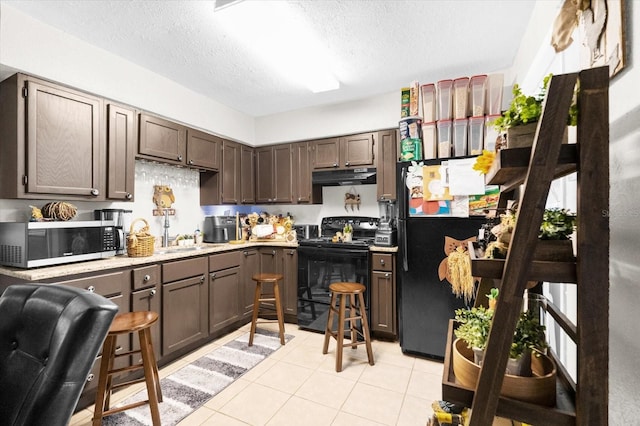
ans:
(557, 224)
(525, 109)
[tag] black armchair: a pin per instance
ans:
(50, 336)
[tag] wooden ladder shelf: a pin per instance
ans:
(584, 401)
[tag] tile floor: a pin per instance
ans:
(298, 385)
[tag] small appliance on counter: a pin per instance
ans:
(386, 234)
(304, 231)
(122, 220)
(219, 229)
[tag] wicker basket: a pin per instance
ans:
(140, 243)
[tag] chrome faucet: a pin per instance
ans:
(165, 238)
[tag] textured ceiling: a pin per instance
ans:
(379, 46)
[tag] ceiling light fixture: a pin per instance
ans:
(282, 39)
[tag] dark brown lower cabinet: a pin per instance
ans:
(283, 261)
(146, 295)
(184, 303)
(383, 296)
(250, 266)
(225, 290)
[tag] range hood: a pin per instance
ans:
(360, 176)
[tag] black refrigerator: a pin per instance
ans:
(426, 302)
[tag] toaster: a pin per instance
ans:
(305, 232)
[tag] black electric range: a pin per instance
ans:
(322, 261)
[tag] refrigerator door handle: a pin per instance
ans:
(402, 230)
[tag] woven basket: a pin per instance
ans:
(140, 243)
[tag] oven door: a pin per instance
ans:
(317, 268)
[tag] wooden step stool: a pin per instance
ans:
(357, 311)
(260, 298)
(131, 322)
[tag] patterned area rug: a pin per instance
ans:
(187, 389)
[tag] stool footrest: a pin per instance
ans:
(125, 407)
(127, 383)
(125, 369)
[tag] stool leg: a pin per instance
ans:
(154, 364)
(353, 313)
(327, 331)
(365, 328)
(256, 308)
(340, 333)
(108, 349)
(279, 311)
(150, 375)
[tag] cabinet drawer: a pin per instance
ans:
(218, 262)
(182, 269)
(105, 285)
(145, 277)
(382, 262)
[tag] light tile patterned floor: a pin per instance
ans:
(298, 385)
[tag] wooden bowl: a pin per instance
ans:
(538, 389)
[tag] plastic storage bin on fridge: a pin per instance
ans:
(444, 91)
(477, 90)
(429, 141)
(495, 83)
(444, 138)
(428, 93)
(460, 97)
(490, 133)
(460, 137)
(476, 135)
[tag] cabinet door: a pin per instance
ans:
(326, 153)
(162, 139)
(224, 291)
(184, 313)
(265, 169)
(357, 150)
(64, 146)
(148, 299)
(247, 175)
(268, 260)
(386, 170)
(382, 302)
(203, 150)
(301, 172)
(282, 185)
(250, 266)
(290, 287)
(230, 172)
(121, 146)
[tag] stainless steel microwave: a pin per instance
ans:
(34, 244)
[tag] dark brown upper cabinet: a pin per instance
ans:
(247, 175)
(203, 150)
(121, 146)
(230, 173)
(386, 162)
(273, 174)
(52, 141)
(344, 153)
(303, 191)
(162, 140)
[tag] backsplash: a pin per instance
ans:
(189, 216)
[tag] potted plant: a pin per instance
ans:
(348, 232)
(519, 120)
(475, 324)
(493, 298)
(555, 235)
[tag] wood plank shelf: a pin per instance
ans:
(555, 272)
(563, 414)
(510, 165)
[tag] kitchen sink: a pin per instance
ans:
(178, 249)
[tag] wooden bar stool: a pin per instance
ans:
(274, 297)
(131, 322)
(357, 311)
